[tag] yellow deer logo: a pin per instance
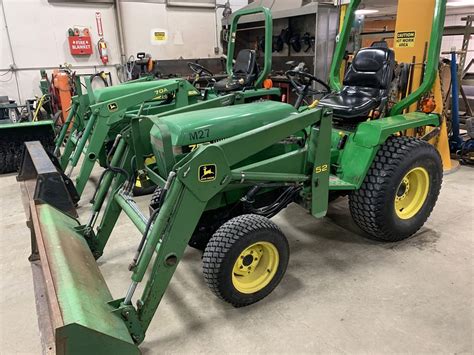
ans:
(207, 172)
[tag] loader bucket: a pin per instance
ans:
(43, 180)
(74, 314)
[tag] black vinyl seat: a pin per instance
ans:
(245, 72)
(366, 84)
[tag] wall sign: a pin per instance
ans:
(405, 39)
(159, 36)
(80, 45)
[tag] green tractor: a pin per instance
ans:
(97, 117)
(222, 174)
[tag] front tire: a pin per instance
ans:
(245, 259)
(399, 190)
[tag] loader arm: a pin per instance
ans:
(187, 195)
(112, 112)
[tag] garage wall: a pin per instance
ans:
(191, 32)
(38, 31)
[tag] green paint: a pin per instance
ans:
(267, 60)
(82, 294)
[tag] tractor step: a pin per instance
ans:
(335, 183)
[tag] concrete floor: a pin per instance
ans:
(341, 293)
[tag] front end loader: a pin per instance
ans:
(222, 173)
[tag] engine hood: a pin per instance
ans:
(209, 125)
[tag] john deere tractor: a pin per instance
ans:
(97, 117)
(223, 173)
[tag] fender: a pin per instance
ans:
(361, 146)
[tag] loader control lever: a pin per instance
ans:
(302, 82)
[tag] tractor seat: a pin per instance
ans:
(366, 84)
(244, 74)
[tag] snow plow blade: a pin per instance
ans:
(12, 137)
(72, 298)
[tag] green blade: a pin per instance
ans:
(85, 323)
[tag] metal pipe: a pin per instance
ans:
(13, 65)
(455, 140)
(64, 128)
(56, 67)
(118, 18)
(130, 292)
(109, 175)
(341, 44)
(132, 211)
(251, 176)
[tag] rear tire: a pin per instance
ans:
(399, 190)
(245, 259)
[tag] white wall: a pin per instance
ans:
(38, 32)
(191, 32)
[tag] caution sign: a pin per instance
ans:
(159, 35)
(405, 39)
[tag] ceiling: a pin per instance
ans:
(389, 8)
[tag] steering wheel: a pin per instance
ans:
(302, 80)
(199, 69)
(302, 83)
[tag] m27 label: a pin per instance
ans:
(207, 172)
(199, 134)
(405, 39)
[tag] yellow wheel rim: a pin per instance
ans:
(412, 193)
(255, 267)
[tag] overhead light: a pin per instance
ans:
(366, 12)
(459, 3)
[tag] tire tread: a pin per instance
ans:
(221, 242)
(366, 202)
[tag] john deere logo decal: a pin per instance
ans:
(112, 107)
(207, 172)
